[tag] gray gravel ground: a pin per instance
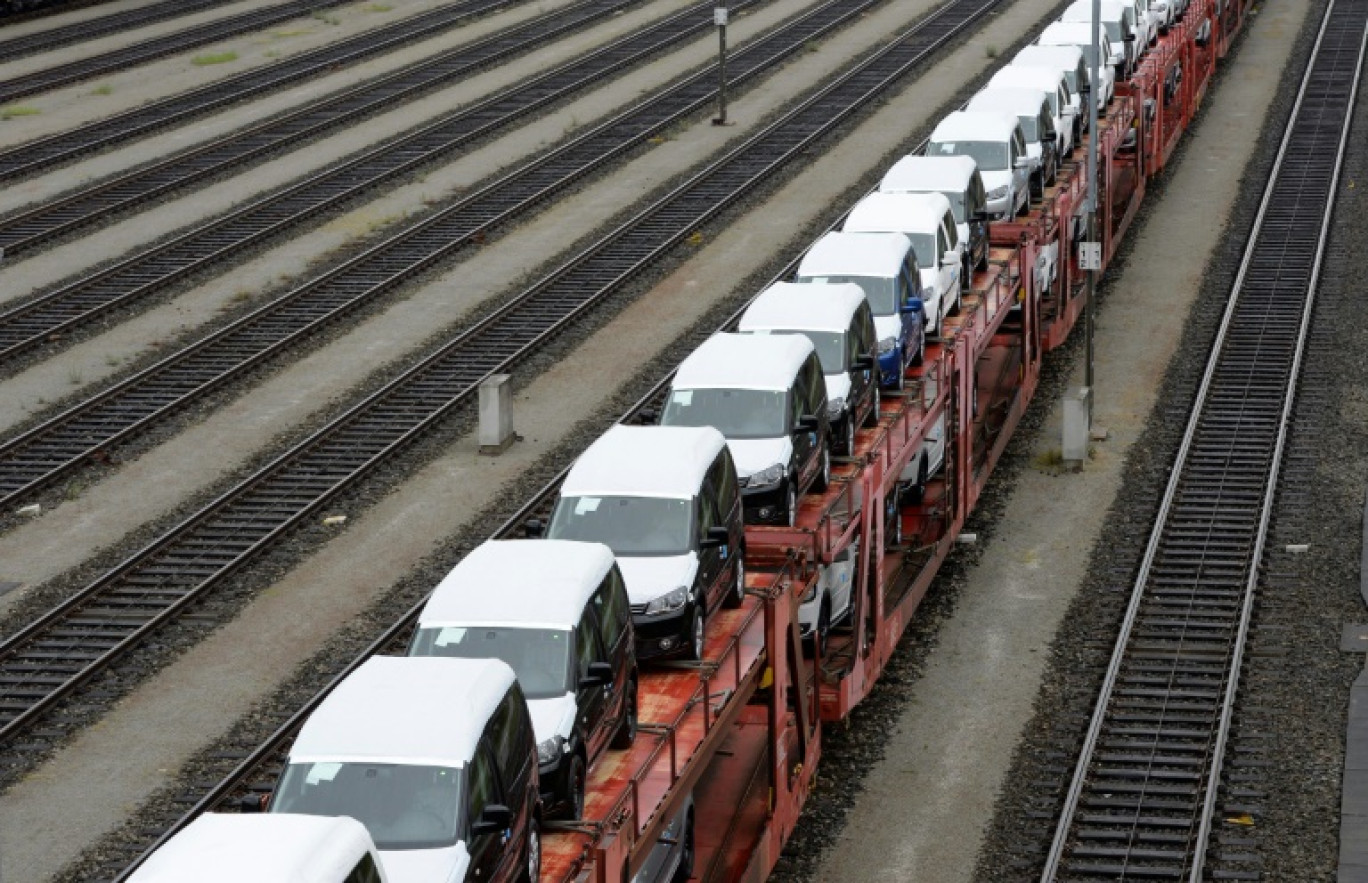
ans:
(230, 597)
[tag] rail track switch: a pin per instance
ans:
(496, 415)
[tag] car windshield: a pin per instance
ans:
(1029, 127)
(956, 198)
(990, 155)
(1113, 29)
(736, 413)
(880, 291)
(403, 806)
(539, 657)
(627, 525)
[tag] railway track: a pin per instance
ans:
(56, 447)
(53, 657)
(1147, 791)
(157, 47)
(21, 232)
(45, 153)
(91, 29)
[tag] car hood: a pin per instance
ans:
(838, 386)
(928, 279)
(446, 865)
(887, 326)
(553, 716)
(650, 577)
(753, 454)
(995, 178)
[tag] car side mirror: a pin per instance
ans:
(533, 528)
(1116, 58)
(1049, 137)
(914, 305)
(598, 675)
(862, 362)
(716, 537)
(495, 819)
(1129, 38)
(808, 423)
(950, 257)
(981, 216)
(253, 803)
(1023, 162)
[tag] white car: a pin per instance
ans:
(827, 600)
(1031, 107)
(231, 848)
(956, 178)
(995, 142)
(1064, 104)
(926, 219)
(1124, 26)
(1079, 35)
(1069, 61)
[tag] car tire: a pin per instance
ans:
(848, 437)
(737, 594)
(698, 633)
(893, 536)
(686, 857)
(531, 871)
(823, 479)
(917, 358)
(872, 419)
(823, 629)
(916, 492)
(791, 502)
(575, 779)
(627, 730)
(901, 383)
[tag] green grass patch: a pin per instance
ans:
(377, 7)
(106, 89)
(213, 58)
(18, 110)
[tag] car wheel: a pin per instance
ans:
(916, 492)
(873, 417)
(532, 867)
(686, 854)
(893, 516)
(901, 383)
(697, 633)
(627, 730)
(823, 629)
(848, 443)
(574, 778)
(738, 589)
(823, 478)
(791, 502)
(917, 358)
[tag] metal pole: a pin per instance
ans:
(1094, 81)
(720, 19)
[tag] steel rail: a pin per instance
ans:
(24, 230)
(1156, 738)
(61, 444)
(177, 569)
(157, 47)
(80, 32)
(47, 152)
(263, 760)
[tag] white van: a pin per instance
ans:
(956, 178)
(838, 321)
(557, 613)
(995, 142)
(1069, 61)
(1118, 20)
(1031, 107)
(435, 756)
(1079, 35)
(265, 849)
(1064, 105)
(926, 219)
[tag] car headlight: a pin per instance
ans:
(887, 345)
(550, 750)
(767, 477)
(998, 192)
(835, 407)
(669, 602)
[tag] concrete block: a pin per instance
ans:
(496, 414)
(1077, 424)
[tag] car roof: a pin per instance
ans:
(645, 461)
(900, 212)
(520, 582)
(1071, 33)
(264, 848)
(1019, 100)
(1068, 56)
(918, 174)
(856, 254)
(1031, 76)
(744, 361)
(1081, 10)
(975, 125)
(422, 710)
(803, 306)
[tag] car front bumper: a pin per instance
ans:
(663, 635)
(764, 505)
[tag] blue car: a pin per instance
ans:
(884, 265)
